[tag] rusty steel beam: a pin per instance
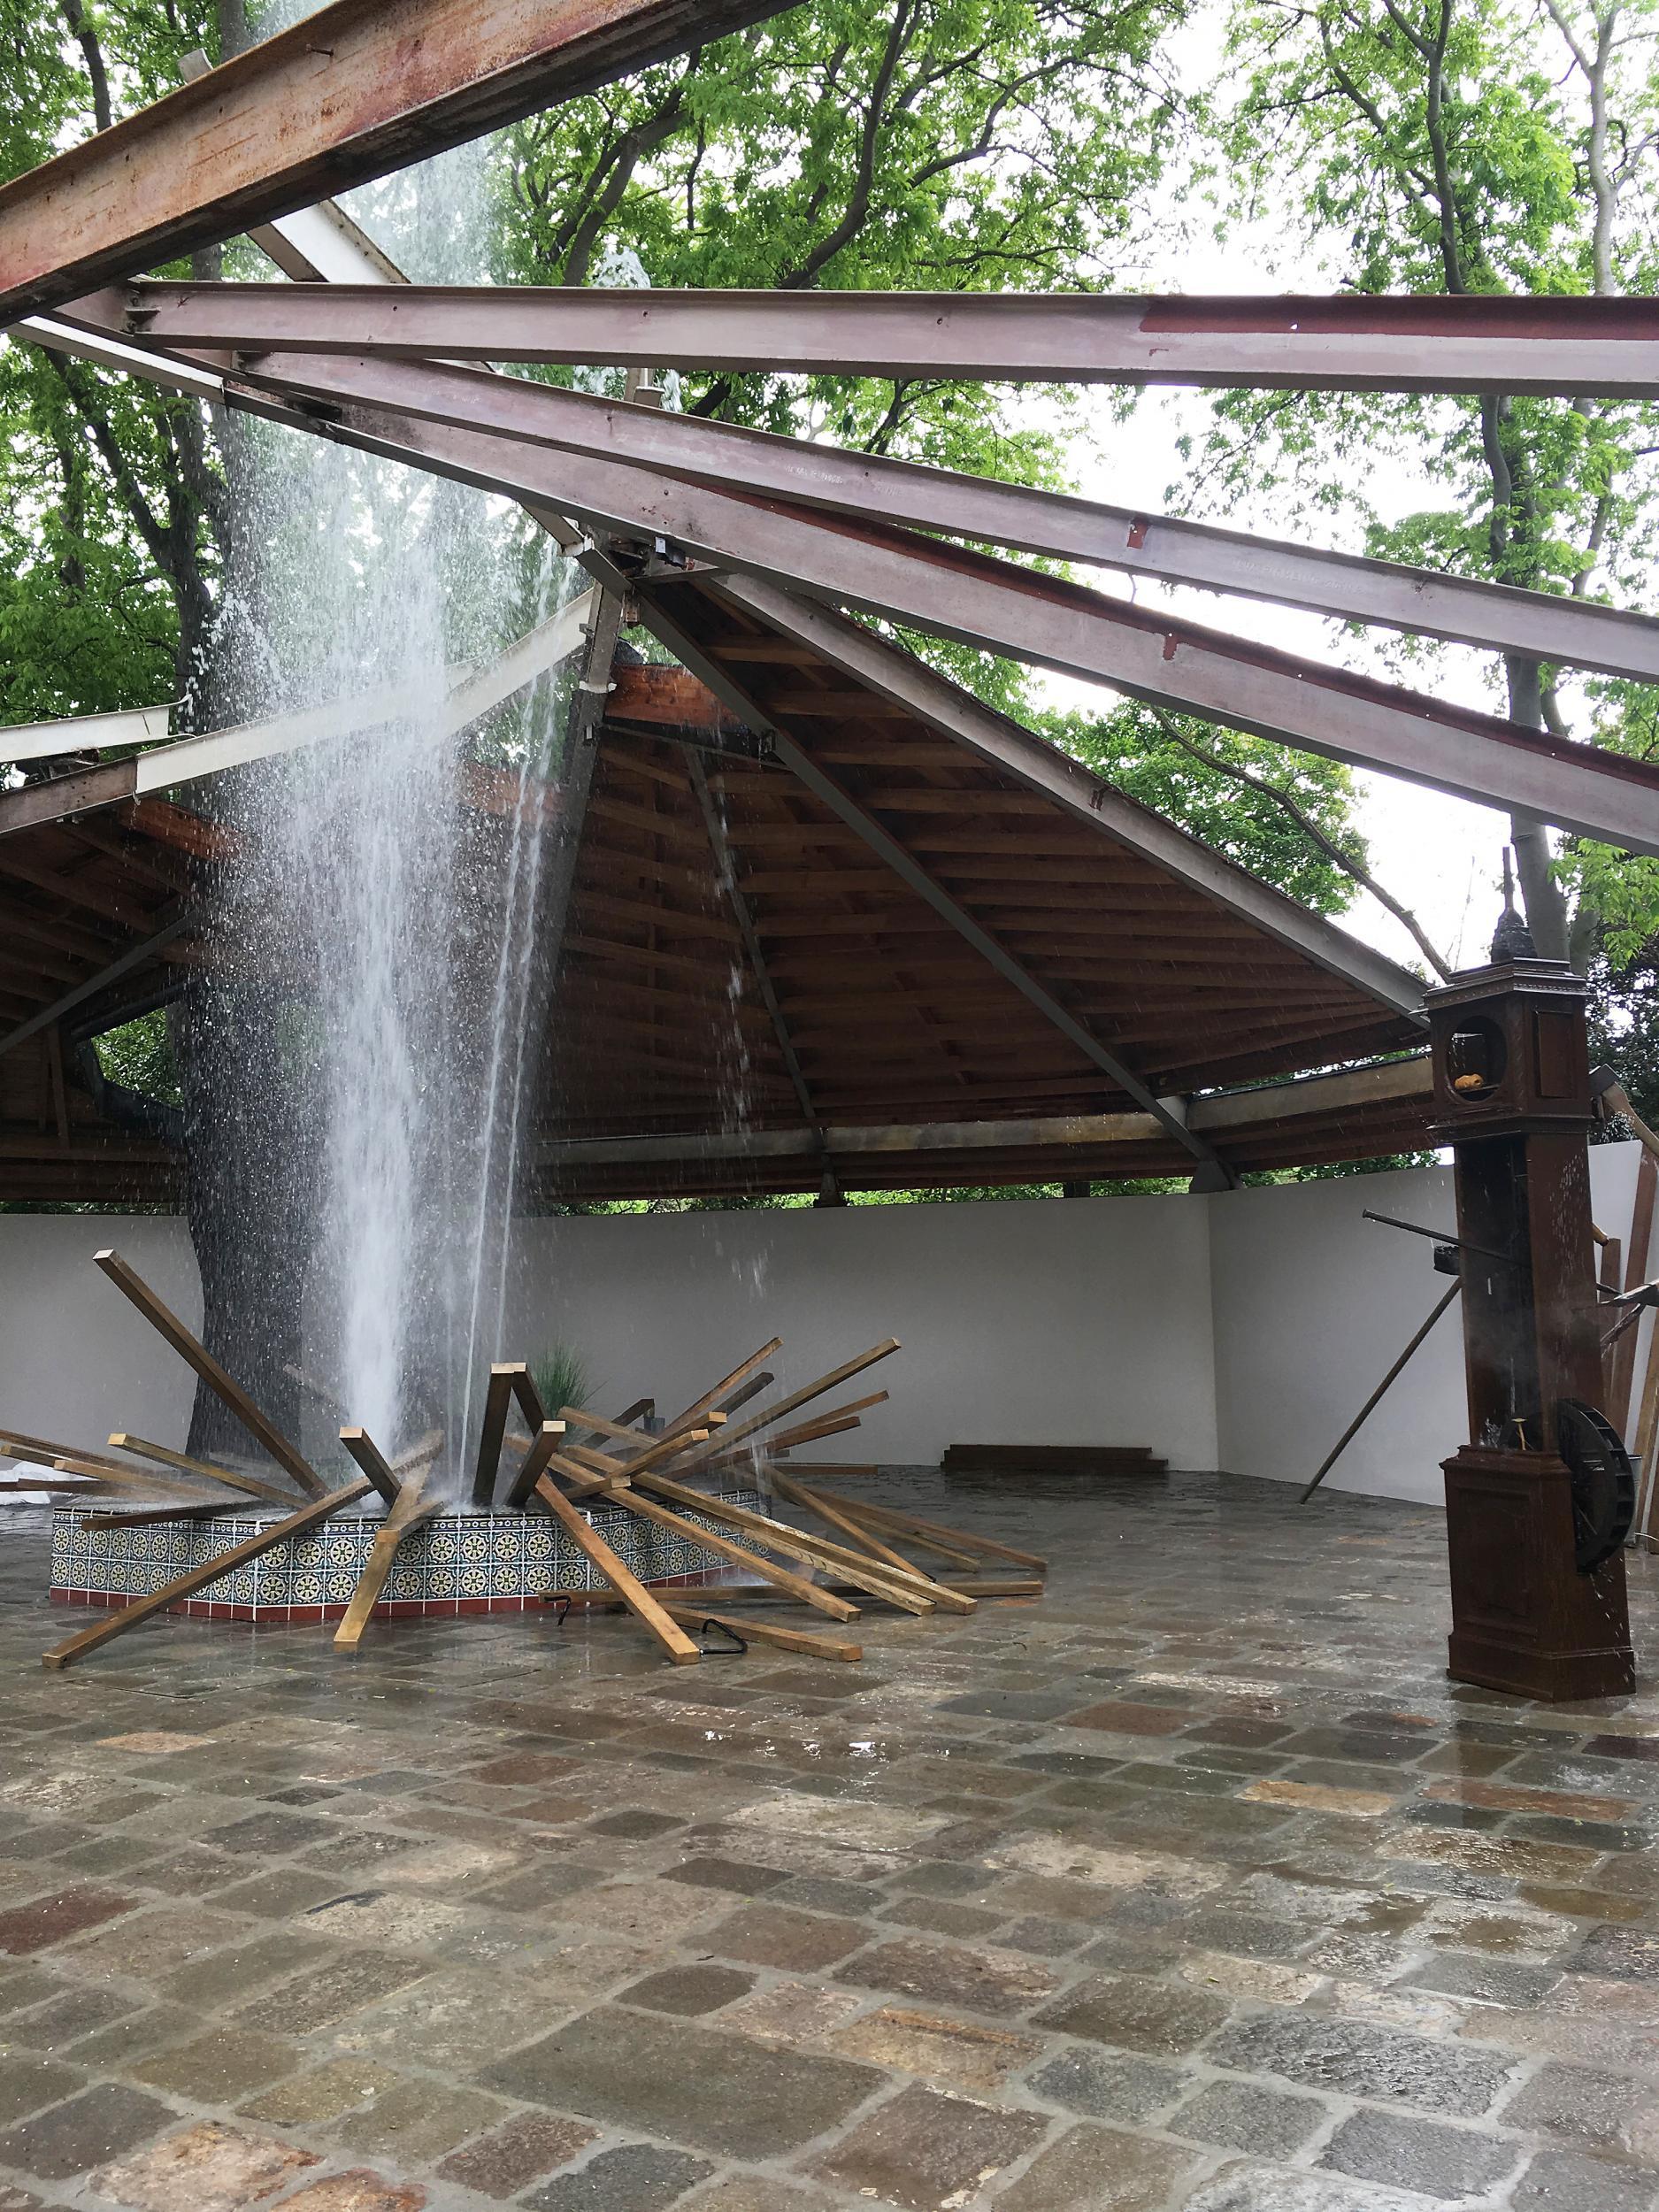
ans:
(1347, 343)
(353, 91)
(998, 606)
(1495, 617)
(1001, 607)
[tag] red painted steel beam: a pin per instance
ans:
(1348, 342)
(1004, 608)
(1493, 617)
(353, 91)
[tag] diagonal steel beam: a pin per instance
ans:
(1493, 616)
(353, 91)
(133, 958)
(1008, 609)
(1342, 342)
(903, 862)
(888, 671)
(1005, 607)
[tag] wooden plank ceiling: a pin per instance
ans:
(872, 1010)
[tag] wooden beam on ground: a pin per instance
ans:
(804, 1593)
(195, 1355)
(760, 1593)
(814, 1502)
(863, 1509)
(185, 1585)
(915, 1593)
(363, 1449)
(587, 1540)
(412, 1507)
(249, 1485)
(764, 1419)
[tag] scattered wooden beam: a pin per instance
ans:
(913, 1593)
(147, 1516)
(814, 1502)
(752, 1388)
(125, 1478)
(718, 1396)
(796, 1398)
(882, 1516)
(534, 1464)
(571, 1465)
(249, 1485)
(627, 1586)
(421, 1453)
(412, 1507)
(41, 1449)
(184, 1586)
(195, 1355)
(497, 1398)
(363, 1449)
(761, 1593)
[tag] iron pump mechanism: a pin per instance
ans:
(1540, 1499)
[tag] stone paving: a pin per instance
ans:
(1195, 1886)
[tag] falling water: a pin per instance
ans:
(391, 911)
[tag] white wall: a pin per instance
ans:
(1071, 1321)
(1312, 1306)
(76, 1360)
(1241, 1331)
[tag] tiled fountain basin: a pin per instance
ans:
(459, 1562)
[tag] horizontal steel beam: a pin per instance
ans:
(1225, 1113)
(1493, 616)
(356, 89)
(85, 732)
(1346, 343)
(1003, 608)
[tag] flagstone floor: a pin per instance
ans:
(1195, 1886)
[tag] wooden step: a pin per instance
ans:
(1051, 1459)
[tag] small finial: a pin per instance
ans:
(1511, 940)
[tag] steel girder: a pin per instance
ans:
(1494, 617)
(996, 605)
(1345, 343)
(360, 88)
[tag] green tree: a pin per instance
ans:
(1467, 147)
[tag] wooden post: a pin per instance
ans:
(184, 1586)
(410, 1510)
(627, 1586)
(497, 1398)
(362, 1448)
(194, 1354)
(767, 1632)
(909, 1523)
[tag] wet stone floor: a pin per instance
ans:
(1195, 1884)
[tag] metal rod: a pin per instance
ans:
(1439, 1236)
(1376, 1395)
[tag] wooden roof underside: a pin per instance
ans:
(661, 1026)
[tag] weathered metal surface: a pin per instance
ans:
(1346, 343)
(1005, 607)
(351, 92)
(1494, 616)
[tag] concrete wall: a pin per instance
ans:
(1241, 1331)
(1312, 1305)
(1067, 1320)
(76, 1361)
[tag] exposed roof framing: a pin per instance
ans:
(1348, 342)
(1494, 616)
(353, 91)
(1008, 609)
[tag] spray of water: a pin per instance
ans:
(396, 909)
